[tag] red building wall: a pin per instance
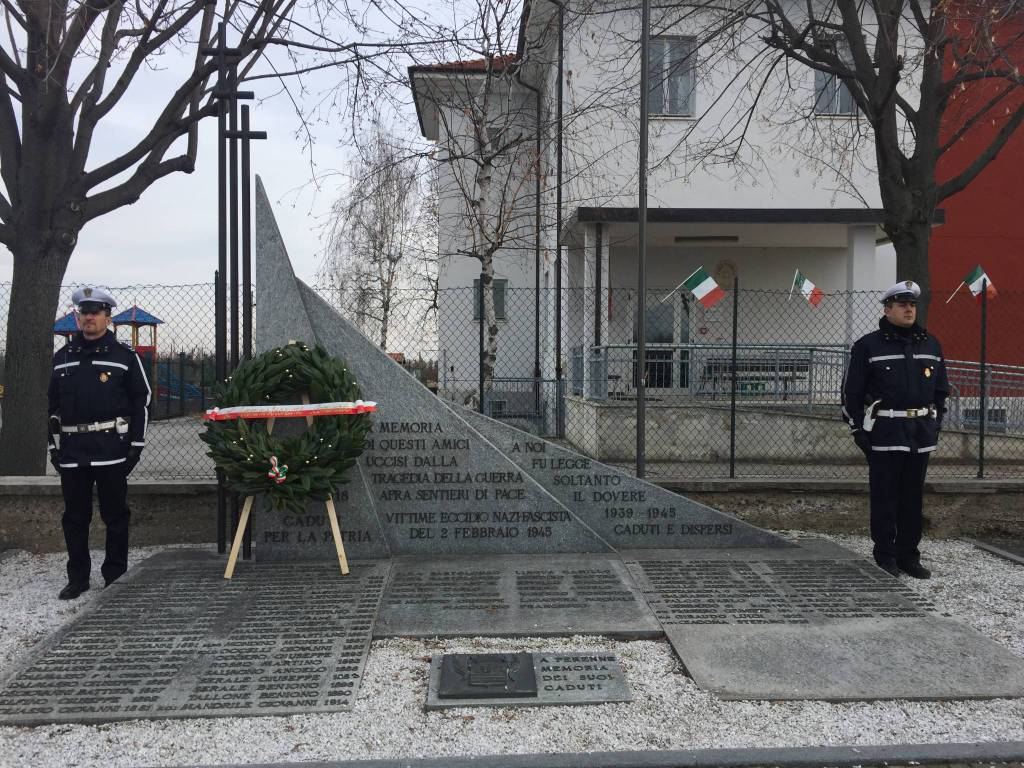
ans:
(984, 225)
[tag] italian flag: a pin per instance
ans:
(703, 287)
(973, 281)
(810, 291)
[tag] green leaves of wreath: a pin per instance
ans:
(319, 458)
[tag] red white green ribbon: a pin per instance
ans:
(278, 473)
(290, 411)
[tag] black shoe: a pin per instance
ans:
(889, 566)
(72, 590)
(915, 570)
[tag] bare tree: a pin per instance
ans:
(487, 118)
(65, 66)
(915, 78)
(376, 239)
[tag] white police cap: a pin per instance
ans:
(95, 295)
(905, 290)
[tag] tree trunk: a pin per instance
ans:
(39, 267)
(491, 322)
(911, 244)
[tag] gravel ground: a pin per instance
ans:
(669, 711)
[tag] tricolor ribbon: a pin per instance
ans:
(277, 473)
(290, 411)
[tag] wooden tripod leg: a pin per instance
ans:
(243, 521)
(338, 545)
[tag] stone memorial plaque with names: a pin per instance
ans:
(581, 677)
(513, 595)
(814, 623)
(174, 639)
(440, 479)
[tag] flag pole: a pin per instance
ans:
(962, 284)
(698, 269)
(792, 288)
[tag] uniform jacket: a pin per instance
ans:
(98, 381)
(903, 368)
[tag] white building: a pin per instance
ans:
(789, 197)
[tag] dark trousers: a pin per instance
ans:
(897, 487)
(112, 489)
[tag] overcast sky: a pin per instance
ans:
(170, 235)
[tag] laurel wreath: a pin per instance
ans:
(318, 459)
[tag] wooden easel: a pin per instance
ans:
(243, 519)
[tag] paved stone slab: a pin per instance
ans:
(584, 677)
(861, 756)
(174, 639)
(1007, 548)
(777, 626)
(509, 595)
(848, 660)
(437, 485)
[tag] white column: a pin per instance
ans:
(860, 276)
(595, 307)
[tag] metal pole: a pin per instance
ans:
(181, 383)
(233, 212)
(536, 275)
(732, 368)
(222, 217)
(641, 261)
(480, 360)
(559, 411)
(222, 498)
(246, 240)
(167, 390)
(983, 401)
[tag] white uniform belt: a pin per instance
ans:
(910, 413)
(96, 426)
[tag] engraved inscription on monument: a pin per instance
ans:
(175, 639)
(583, 677)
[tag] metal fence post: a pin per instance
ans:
(732, 404)
(181, 383)
(167, 390)
(983, 399)
(480, 362)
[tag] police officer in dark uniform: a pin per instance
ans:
(98, 404)
(894, 399)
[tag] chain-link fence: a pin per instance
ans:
(565, 366)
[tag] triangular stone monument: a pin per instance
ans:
(441, 479)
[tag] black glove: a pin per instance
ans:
(55, 459)
(860, 437)
(132, 460)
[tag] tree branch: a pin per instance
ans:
(169, 124)
(84, 18)
(975, 118)
(966, 176)
(131, 190)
